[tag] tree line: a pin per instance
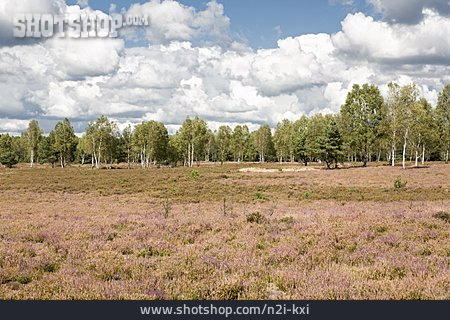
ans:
(368, 128)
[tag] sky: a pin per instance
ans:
(261, 23)
(227, 61)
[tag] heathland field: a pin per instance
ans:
(225, 232)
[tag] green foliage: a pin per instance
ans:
(367, 128)
(46, 152)
(263, 142)
(259, 196)
(283, 138)
(151, 142)
(8, 156)
(443, 121)
(223, 143)
(329, 147)
(192, 140)
(33, 135)
(64, 142)
(194, 174)
(399, 183)
(362, 118)
(240, 143)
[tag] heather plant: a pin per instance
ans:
(59, 239)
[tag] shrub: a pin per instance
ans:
(399, 183)
(195, 174)
(49, 266)
(255, 217)
(167, 206)
(259, 196)
(153, 252)
(287, 220)
(444, 216)
(24, 279)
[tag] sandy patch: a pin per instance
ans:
(264, 170)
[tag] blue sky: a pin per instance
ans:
(263, 22)
(184, 63)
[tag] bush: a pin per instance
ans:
(444, 216)
(399, 183)
(255, 217)
(195, 174)
(8, 159)
(259, 196)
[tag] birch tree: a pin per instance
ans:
(64, 141)
(443, 120)
(361, 117)
(283, 138)
(239, 142)
(223, 142)
(127, 142)
(301, 143)
(262, 139)
(407, 104)
(33, 136)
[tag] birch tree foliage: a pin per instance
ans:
(64, 141)
(127, 142)
(443, 121)
(300, 142)
(407, 105)
(33, 135)
(223, 143)
(361, 117)
(193, 140)
(240, 142)
(401, 103)
(283, 137)
(263, 142)
(423, 129)
(151, 141)
(102, 135)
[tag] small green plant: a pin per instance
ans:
(195, 174)
(255, 217)
(24, 279)
(399, 183)
(259, 196)
(306, 194)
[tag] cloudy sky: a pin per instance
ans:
(227, 61)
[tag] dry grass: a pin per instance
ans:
(165, 233)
